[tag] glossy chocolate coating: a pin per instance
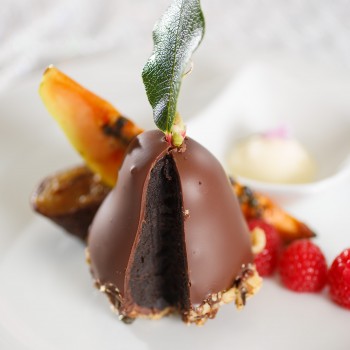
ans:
(216, 236)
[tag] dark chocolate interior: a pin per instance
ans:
(158, 274)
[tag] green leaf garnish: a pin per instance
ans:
(176, 36)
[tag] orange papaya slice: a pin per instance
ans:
(256, 205)
(94, 127)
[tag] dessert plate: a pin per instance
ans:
(47, 300)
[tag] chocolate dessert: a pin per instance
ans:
(171, 236)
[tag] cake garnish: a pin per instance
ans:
(176, 36)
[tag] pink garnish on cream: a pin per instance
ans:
(283, 131)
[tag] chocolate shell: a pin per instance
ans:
(171, 236)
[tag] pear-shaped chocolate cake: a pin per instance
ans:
(171, 236)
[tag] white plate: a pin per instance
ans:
(46, 296)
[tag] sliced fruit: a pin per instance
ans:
(255, 205)
(93, 126)
(70, 198)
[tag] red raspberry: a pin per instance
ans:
(303, 267)
(266, 260)
(339, 279)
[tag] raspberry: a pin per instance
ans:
(303, 267)
(267, 258)
(339, 279)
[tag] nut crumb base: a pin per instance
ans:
(244, 286)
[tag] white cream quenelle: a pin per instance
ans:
(272, 157)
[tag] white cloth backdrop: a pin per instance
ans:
(34, 32)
